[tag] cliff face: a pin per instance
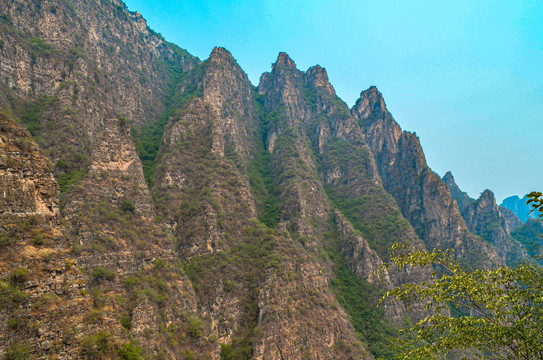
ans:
(40, 283)
(462, 198)
(491, 222)
(484, 218)
(163, 207)
(422, 196)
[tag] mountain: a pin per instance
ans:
(518, 207)
(154, 205)
(495, 224)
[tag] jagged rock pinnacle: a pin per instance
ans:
(375, 97)
(370, 100)
(283, 60)
(318, 76)
(448, 178)
(220, 53)
(487, 198)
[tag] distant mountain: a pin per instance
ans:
(518, 207)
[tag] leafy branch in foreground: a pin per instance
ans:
(502, 308)
(535, 198)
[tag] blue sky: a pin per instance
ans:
(466, 76)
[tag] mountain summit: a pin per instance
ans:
(157, 206)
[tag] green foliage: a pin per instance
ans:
(12, 323)
(18, 351)
(130, 351)
(97, 346)
(30, 114)
(366, 213)
(70, 172)
(535, 198)
(503, 307)
(40, 48)
(183, 87)
(10, 293)
(127, 206)
(159, 263)
(147, 140)
(261, 180)
(370, 209)
(189, 355)
(227, 352)
(18, 275)
(5, 19)
(358, 298)
(101, 273)
(38, 237)
(312, 94)
(195, 327)
(126, 322)
(130, 282)
(245, 265)
(529, 235)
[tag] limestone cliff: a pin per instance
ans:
(491, 222)
(461, 197)
(422, 196)
(40, 283)
(484, 218)
(158, 206)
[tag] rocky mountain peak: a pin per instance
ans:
(370, 101)
(461, 197)
(487, 198)
(318, 77)
(449, 178)
(220, 54)
(485, 219)
(283, 61)
(221, 245)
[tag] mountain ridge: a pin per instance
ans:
(194, 215)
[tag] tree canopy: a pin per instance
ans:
(492, 313)
(535, 198)
(498, 312)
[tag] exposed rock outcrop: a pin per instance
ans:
(461, 197)
(162, 206)
(423, 197)
(484, 218)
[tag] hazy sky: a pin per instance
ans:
(466, 76)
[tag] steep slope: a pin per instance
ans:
(491, 222)
(204, 157)
(165, 208)
(75, 90)
(485, 219)
(39, 281)
(203, 188)
(530, 235)
(511, 220)
(69, 71)
(422, 196)
(462, 198)
(310, 126)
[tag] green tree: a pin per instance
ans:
(499, 311)
(535, 198)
